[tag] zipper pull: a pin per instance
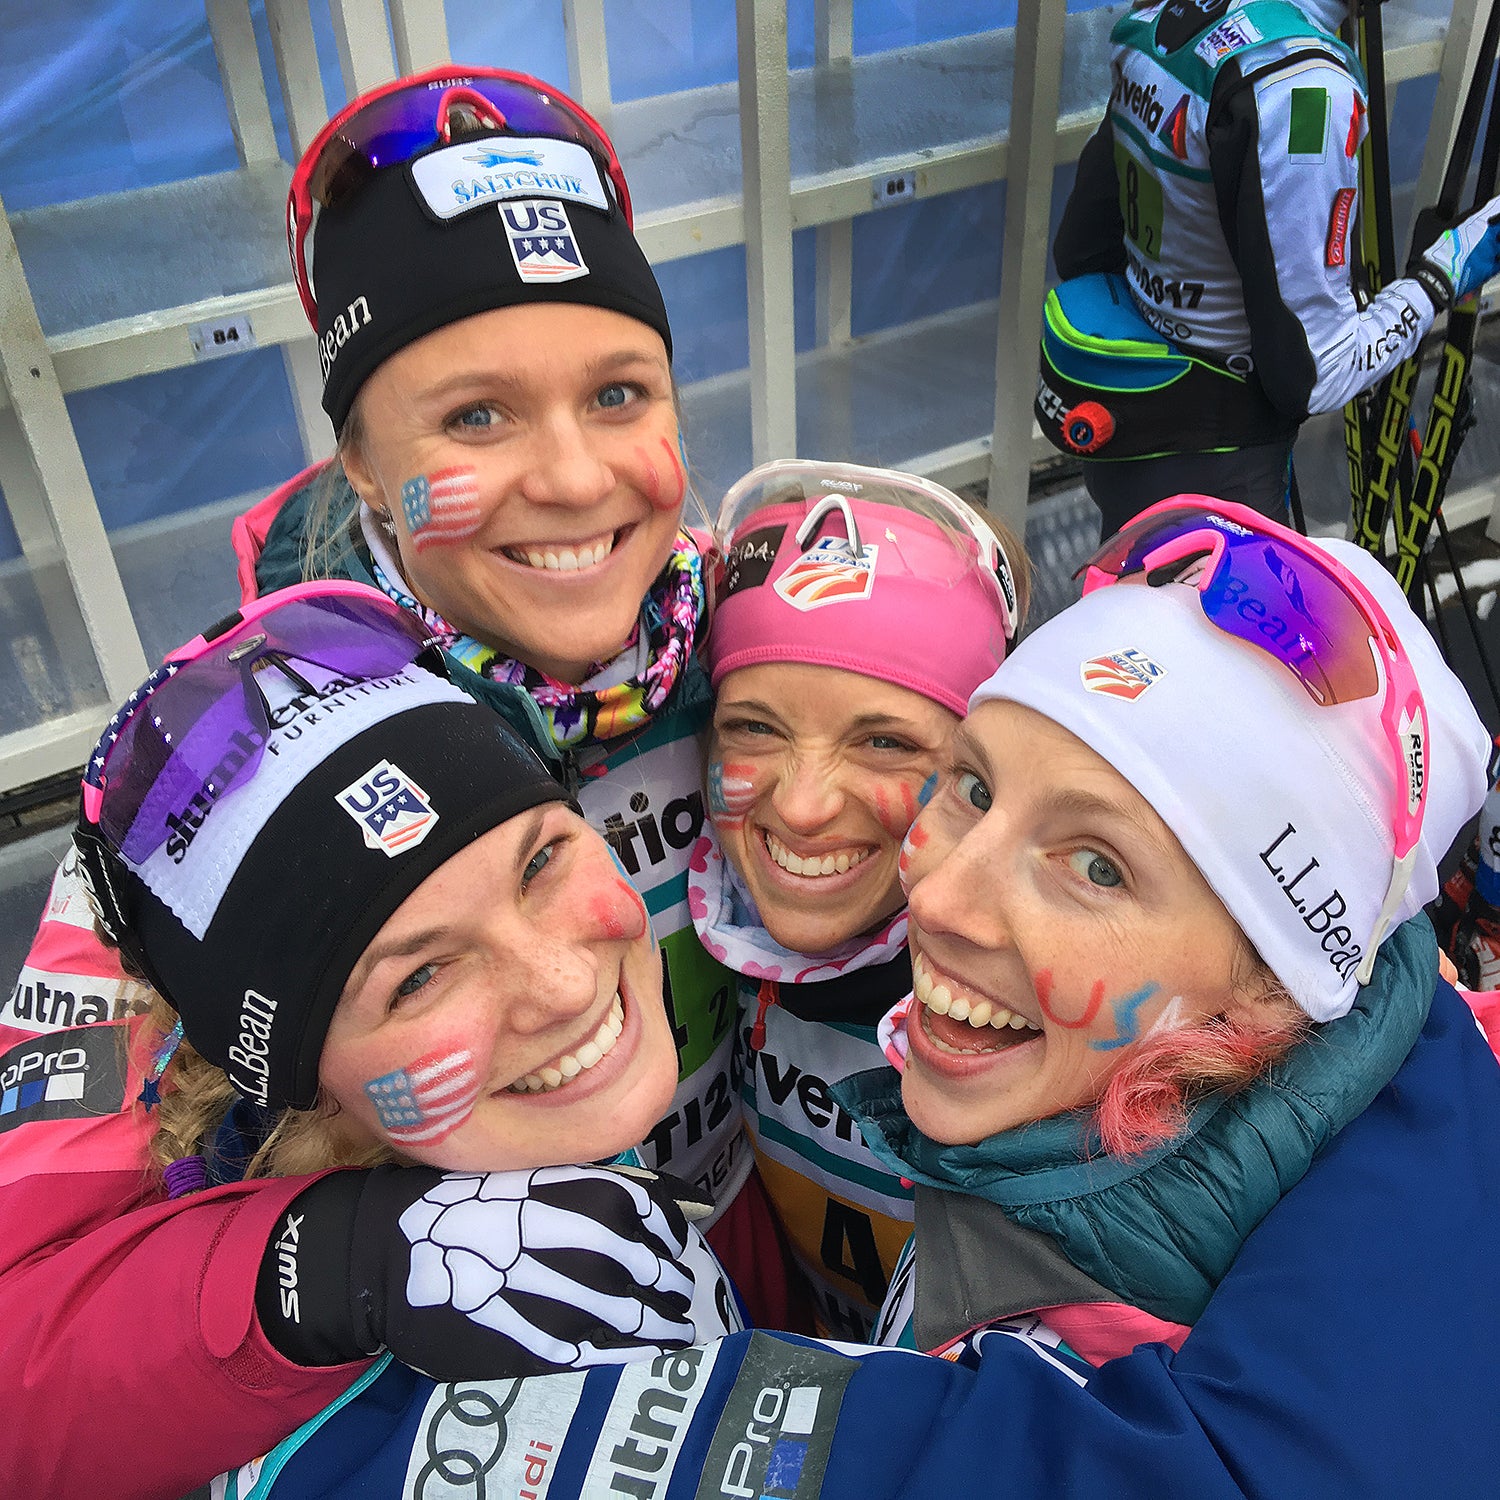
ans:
(765, 999)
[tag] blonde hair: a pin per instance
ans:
(196, 1095)
(332, 530)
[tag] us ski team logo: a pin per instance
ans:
(542, 242)
(393, 812)
(1120, 674)
(829, 573)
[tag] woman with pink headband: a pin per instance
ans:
(859, 609)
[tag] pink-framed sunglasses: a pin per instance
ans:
(199, 722)
(391, 124)
(1270, 587)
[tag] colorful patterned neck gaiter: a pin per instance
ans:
(670, 616)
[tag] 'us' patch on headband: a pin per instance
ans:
(542, 242)
(1120, 674)
(394, 814)
(829, 573)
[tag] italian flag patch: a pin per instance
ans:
(1307, 134)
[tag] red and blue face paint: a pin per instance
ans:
(1127, 1027)
(441, 508)
(1125, 1011)
(916, 837)
(731, 793)
(896, 809)
(427, 1100)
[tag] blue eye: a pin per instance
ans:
(415, 981)
(476, 418)
(614, 395)
(974, 791)
(745, 726)
(1095, 868)
(537, 863)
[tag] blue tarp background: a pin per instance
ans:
(103, 95)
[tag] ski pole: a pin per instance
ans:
(1390, 477)
(1451, 412)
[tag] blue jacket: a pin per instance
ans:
(1156, 1230)
(1349, 1352)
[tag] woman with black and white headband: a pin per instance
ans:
(497, 366)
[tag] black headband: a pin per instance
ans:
(387, 269)
(257, 993)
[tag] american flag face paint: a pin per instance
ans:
(915, 839)
(441, 508)
(896, 807)
(731, 793)
(428, 1099)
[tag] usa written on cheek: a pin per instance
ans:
(441, 508)
(1124, 1009)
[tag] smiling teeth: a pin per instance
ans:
(829, 864)
(571, 1064)
(978, 1013)
(564, 559)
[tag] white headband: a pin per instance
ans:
(1281, 804)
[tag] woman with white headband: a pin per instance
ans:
(1166, 927)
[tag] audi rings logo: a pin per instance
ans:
(466, 1437)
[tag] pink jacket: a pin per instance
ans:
(130, 1343)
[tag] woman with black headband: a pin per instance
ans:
(380, 938)
(497, 366)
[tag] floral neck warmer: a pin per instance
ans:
(601, 708)
(729, 927)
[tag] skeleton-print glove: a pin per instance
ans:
(479, 1275)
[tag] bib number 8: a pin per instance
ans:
(1140, 202)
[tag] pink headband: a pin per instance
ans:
(918, 608)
